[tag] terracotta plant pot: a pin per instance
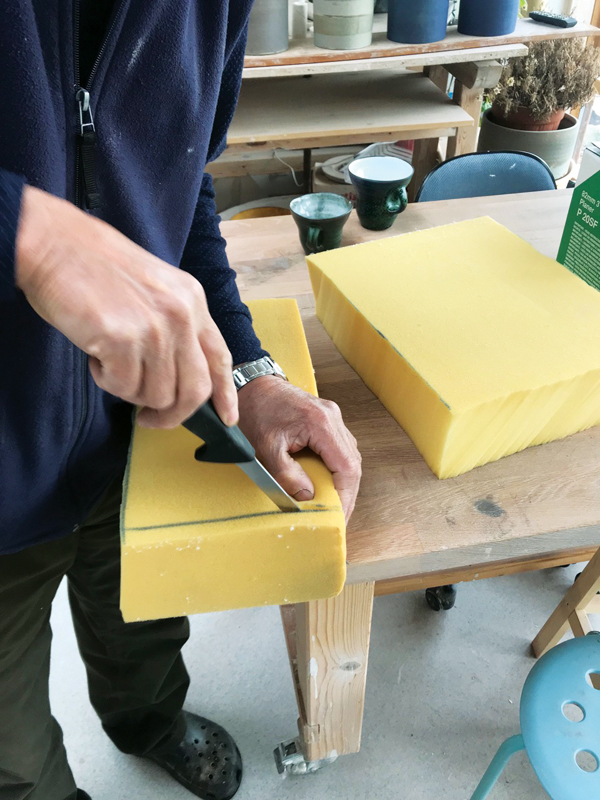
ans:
(553, 147)
(522, 119)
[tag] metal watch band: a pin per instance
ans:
(256, 369)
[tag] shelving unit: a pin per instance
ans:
(303, 52)
(309, 97)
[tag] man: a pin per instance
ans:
(116, 106)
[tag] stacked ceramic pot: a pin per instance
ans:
(426, 21)
(490, 18)
(268, 29)
(343, 24)
(417, 23)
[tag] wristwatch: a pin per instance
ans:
(256, 369)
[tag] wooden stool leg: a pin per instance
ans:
(571, 609)
(579, 622)
(328, 643)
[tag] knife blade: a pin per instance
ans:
(265, 481)
(228, 445)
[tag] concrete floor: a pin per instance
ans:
(443, 692)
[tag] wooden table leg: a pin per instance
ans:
(307, 169)
(469, 97)
(425, 153)
(570, 612)
(584, 116)
(471, 79)
(465, 140)
(425, 158)
(437, 74)
(328, 644)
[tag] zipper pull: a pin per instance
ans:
(87, 146)
(83, 101)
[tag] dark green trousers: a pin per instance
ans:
(136, 676)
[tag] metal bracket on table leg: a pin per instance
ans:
(289, 759)
(307, 169)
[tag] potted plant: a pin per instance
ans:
(529, 106)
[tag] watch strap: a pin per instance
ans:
(245, 373)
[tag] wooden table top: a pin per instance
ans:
(545, 500)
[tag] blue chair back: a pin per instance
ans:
(558, 684)
(484, 174)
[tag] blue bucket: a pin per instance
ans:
(487, 17)
(417, 23)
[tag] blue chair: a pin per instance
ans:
(484, 174)
(560, 723)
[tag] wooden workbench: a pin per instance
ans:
(532, 510)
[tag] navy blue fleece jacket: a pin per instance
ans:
(162, 97)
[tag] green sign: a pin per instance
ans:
(580, 244)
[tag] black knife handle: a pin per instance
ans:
(222, 445)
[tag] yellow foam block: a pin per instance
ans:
(201, 537)
(477, 344)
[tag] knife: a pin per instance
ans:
(228, 445)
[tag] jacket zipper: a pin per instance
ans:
(87, 149)
(86, 140)
(85, 163)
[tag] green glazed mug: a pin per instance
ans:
(320, 218)
(380, 183)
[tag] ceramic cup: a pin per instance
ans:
(320, 218)
(380, 183)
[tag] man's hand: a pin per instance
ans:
(144, 324)
(280, 419)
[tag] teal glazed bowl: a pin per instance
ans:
(380, 183)
(320, 218)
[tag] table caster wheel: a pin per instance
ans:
(441, 598)
(289, 759)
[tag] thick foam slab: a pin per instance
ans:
(477, 344)
(201, 537)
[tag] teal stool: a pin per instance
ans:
(560, 724)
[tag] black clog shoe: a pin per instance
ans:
(207, 761)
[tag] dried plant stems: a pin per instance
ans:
(558, 74)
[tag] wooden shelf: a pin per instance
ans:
(304, 51)
(352, 108)
(413, 61)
